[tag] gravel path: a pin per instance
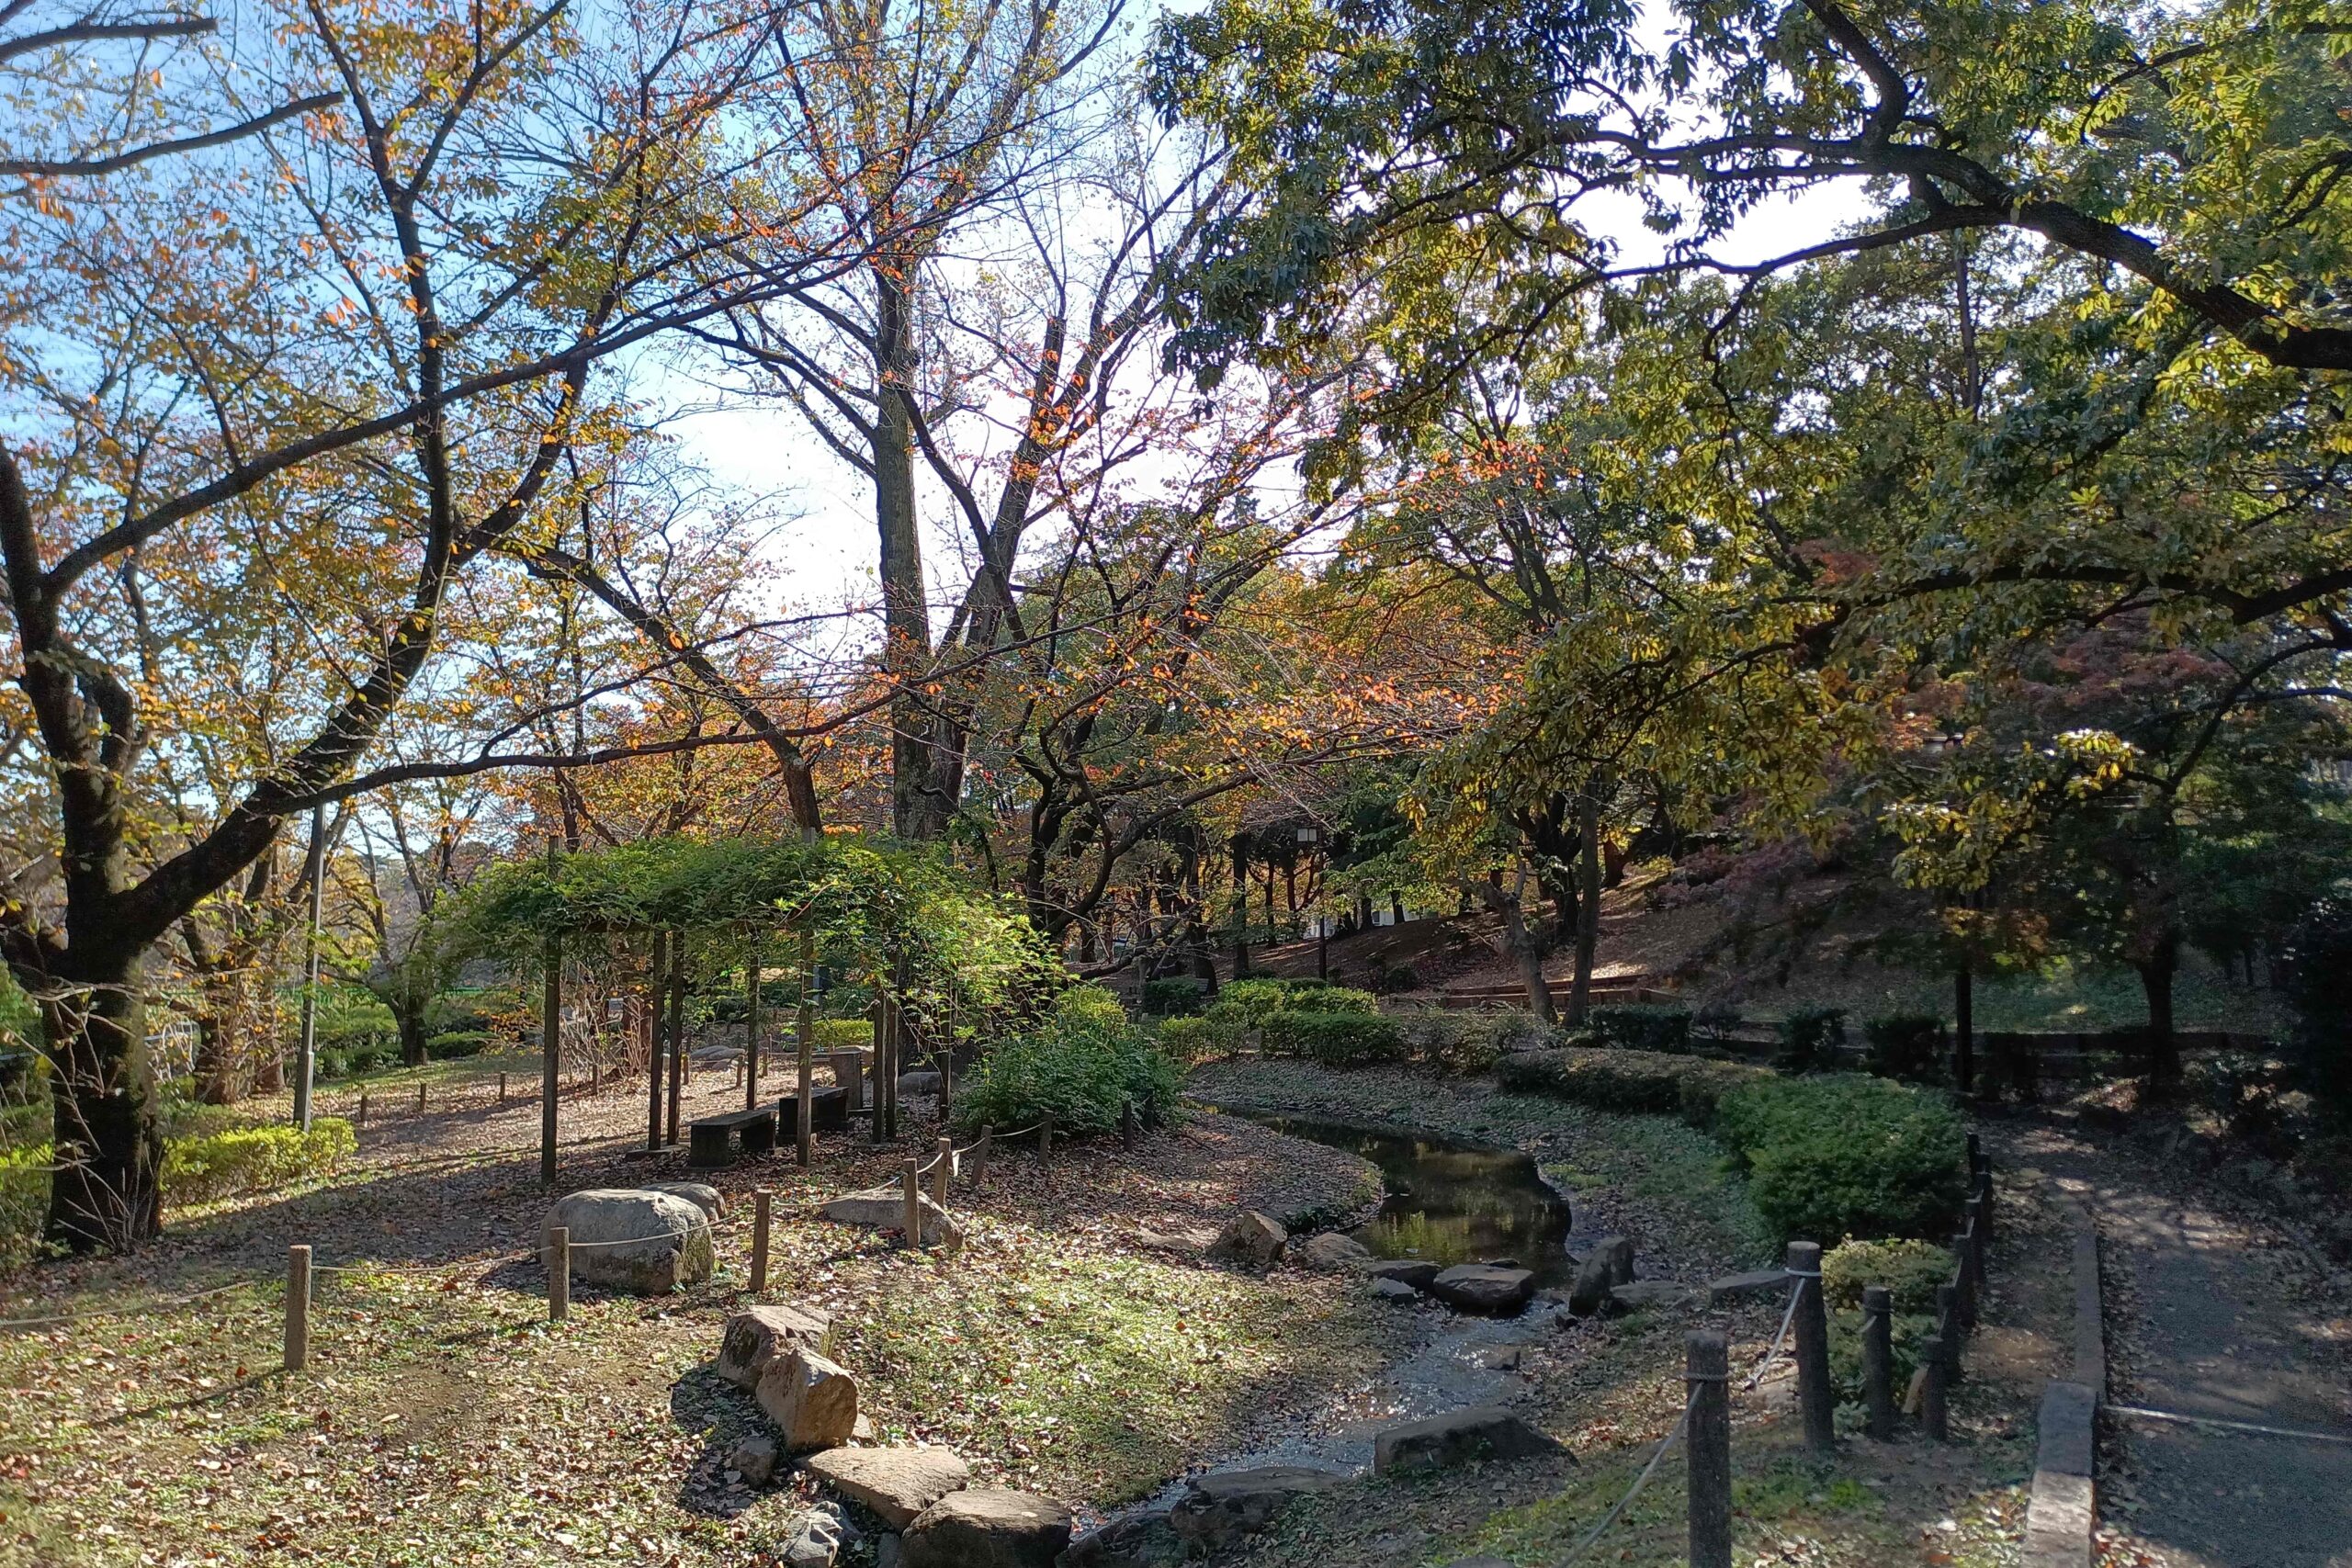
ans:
(2213, 1312)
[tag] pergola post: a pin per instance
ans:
(550, 1054)
(677, 1028)
(656, 970)
(752, 1027)
(804, 1135)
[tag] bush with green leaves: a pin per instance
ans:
(1907, 1046)
(1396, 977)
(1809, 1038)
(835, 1033)
(457, 1044)
(1252, 1001)
(2319, 987)
(1174, 998)
(1335, 1039)
(1641, 1027)
(247, 1160)
(1911, 1268)
(1628, 1082)
(1906, 1332)
(1716, 1021)
(1204, 1038)
(1846, 1155)
(1081, 1064)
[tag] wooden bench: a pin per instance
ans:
(710, 1140)
(829, 1112)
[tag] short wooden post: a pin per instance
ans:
(1127, 1126)
(913, 1216)
(298, 1307)
(1814, 1392)
(596, 1076)
(1707, 1369)
(1975, 1150)
(1977, 1207)
(420, 1099)
(980, 1154)
(363, 1108)
(1878, 1362)
(946, 1167)
(1947, 1328)
(502, 1089)
(1933, 1418)
(1963, 1278)
(1046, 1140)
(559, 1273)
(762, 1200)
(1984, 1202)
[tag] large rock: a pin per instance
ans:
(1139, 1540)
(885, 1208)
(896, 1483)
(1331, 1253)
(1220, 1509)
(1250, 1238)
(1479, 1287)
(985, 1527)
(1756, 1282)
(1588, 1292)
(1459, 1437)
(1417, 1272)
(646, 1243)
(1396, 1292)
(924, 1082)
(753, 1458)
(1616, 1253)
(701, 1194)
(819, 1540)
(756, 1336)
(813, 1401)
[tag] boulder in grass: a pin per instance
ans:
(1222, 1507)
(897, 1484)
(1459, 1437)
(1616, 1254)
(1330, 1253)
(647, 1244)
(986, 1526)
(1588, 1292)
(1252, 1239)
(756, 1336)
(1417, 1273)
(885, 1208)
(701, 1194)
(921, 1082)
(813, 1401)
(1479, 1287)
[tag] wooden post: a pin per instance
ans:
(805, 1135)
(1878, 1362)
(1814, 1392)
(762, 1202)
(1963, 1279)
(550, 1048)
(946, 1167)
(1707, 1369)
(752, 1028)
(1934, 1356)
(980, 1156)
(559, 1273)
(1947, 1328)
(363, 1108)
(502, 1089)
(420, 1099)
(914, 1217)
(677, 1030)
(1046, 1140)
(1977, 1207)
(656, 1021)
(1127, 1126)
(298, 1307)
(596, 1074)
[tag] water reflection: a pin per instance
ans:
(1453, 1202)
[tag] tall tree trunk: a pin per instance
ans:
(1519, 942)
(1588, 906)
(219, 1075)
(906, 614)
(2156, 972)
(1241, 906)
(408, 1018)
(1963, 1006)
(107, 1191)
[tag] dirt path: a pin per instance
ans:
(2212, 1311)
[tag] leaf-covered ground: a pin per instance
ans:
(442, 1420)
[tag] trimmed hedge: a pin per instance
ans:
(1081, 1064)
(1631, 1027)
(1809, 1038)
(1175, 998)
(1468, 1042)
(457, 1044)
(1912, 1270)
(1848, 1155)
(1331, 1038)
(1633, 1082)
(243, 1159)
(1198, 1039)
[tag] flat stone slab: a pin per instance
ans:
(1140, 1540)
(1396, 1292)
(986, 1526)
(1744, 1287)
(1458, 1437)
(1478, 1286)
(898, 1484)
(1222, 1507)
(1414, 1271)
(1655, 1293)
(885, 1208)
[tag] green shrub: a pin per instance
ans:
(1848, 1155)
(1809, 1038)
(1629, 1027)
(1176, 998)
(1467, 1042)
(1716, 1021)
(1632, 1082)
(457, 1044)
(1312, 996)
(837, 1033)
(1912, 1270)
(1907, 1046)
(245, 1159)
(1200, 1038)
(1253, 1000)
(1333, 1039)
(1081, 1064)
(1397, 977)
(1907, 1332)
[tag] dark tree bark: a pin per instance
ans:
(1963, 1006)
(1588, 906)
(2157, 971)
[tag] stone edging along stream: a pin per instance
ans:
(2061, 1514)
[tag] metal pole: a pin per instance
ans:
(1707, 1369)
(307, 1056)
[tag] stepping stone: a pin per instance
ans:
(898, 1484)
(1459, 1437)
(1588, 1292)
(1330, 1253)
(1474, 1287)
(1143, 1541)
(1643, 1293)
(1616, 1252)
(1222, 1507)
(1414, 1271)
(1396, 1292)
(986, 1526)
(1744, 1287)
(756, 1336)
